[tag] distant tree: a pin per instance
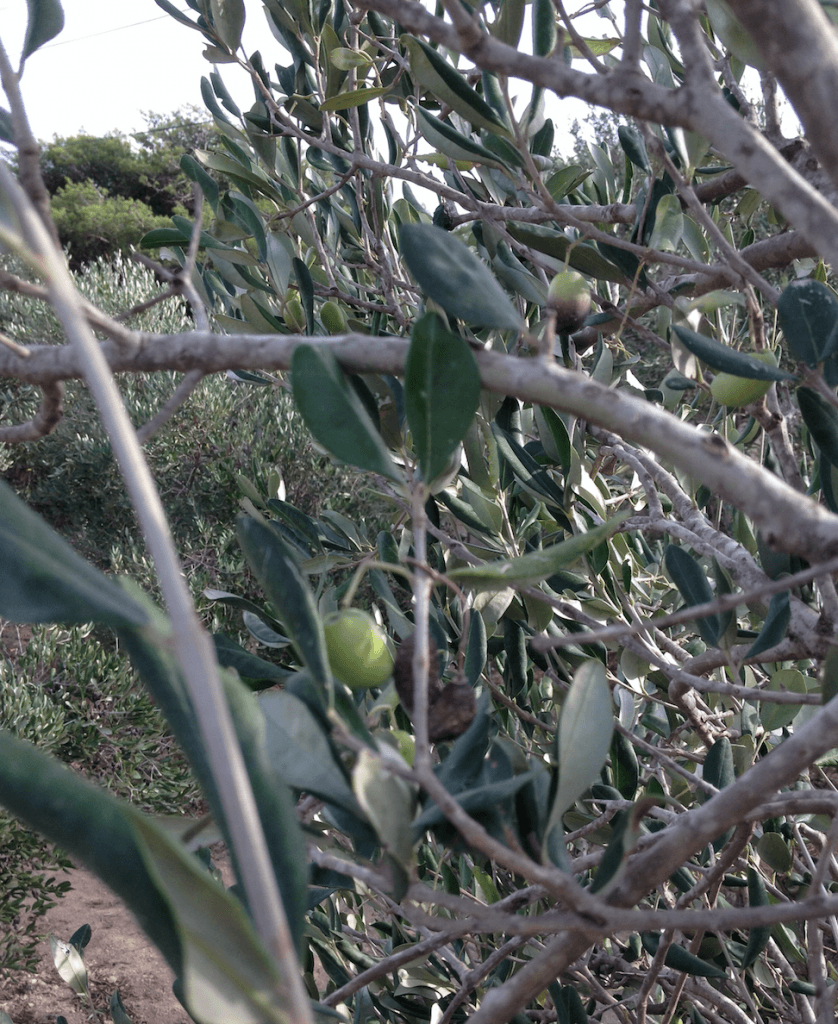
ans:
(93, 223)
(108, 191)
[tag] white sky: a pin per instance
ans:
(117, 58)
(114, 59)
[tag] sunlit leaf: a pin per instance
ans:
(584, 736)
(597, 46)
(354, 98)
(69, 963)
(669, 224)
(388, 802)
(227, 974)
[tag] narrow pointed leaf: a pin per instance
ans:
(461, 769)
(434, 73)
(152, 655)
(694, 587)
(69, 963)
(627, 261)
(757, 937)
(453, 143)
(90, 825)
(117, 1010)
(227, 973)
(633, 146)
(455, 278)
(821, 417)
(720, 772)
(388, 801)
(778, 716)
(728, 360)
(474, 801)
(271, 560)
(583, 738)
(299, 750)
(46, 20)
(669, 224)
(442, 392)
(625, 833)
(529, 472)
(535, 566)
(775, 626)
(476, 651)
(228, 19)
(173, 12)
(353, 98)
(544, 30)
(680, 959)
(43, 580)
(583, 258)
(808, 312)
(335, 414)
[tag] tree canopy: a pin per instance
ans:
(107, 192)
(601, 400)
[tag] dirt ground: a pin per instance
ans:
(118, 956)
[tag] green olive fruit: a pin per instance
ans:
(406, 745)
(570, 298)
(734, 392)
(357, 649)
(332, 317)
(295, 316)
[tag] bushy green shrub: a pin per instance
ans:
(93, 224)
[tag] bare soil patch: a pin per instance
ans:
(119, 956)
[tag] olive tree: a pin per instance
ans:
(601, 402)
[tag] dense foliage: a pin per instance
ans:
(108, 192)
(599, 399)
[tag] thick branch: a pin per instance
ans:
(801, 49)
(789, 521)
(45, 420)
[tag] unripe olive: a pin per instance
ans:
(570, 298)
(295, 316)
(357, 649)
(734, 392)
(332, 317)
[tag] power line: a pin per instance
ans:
(104, 32)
